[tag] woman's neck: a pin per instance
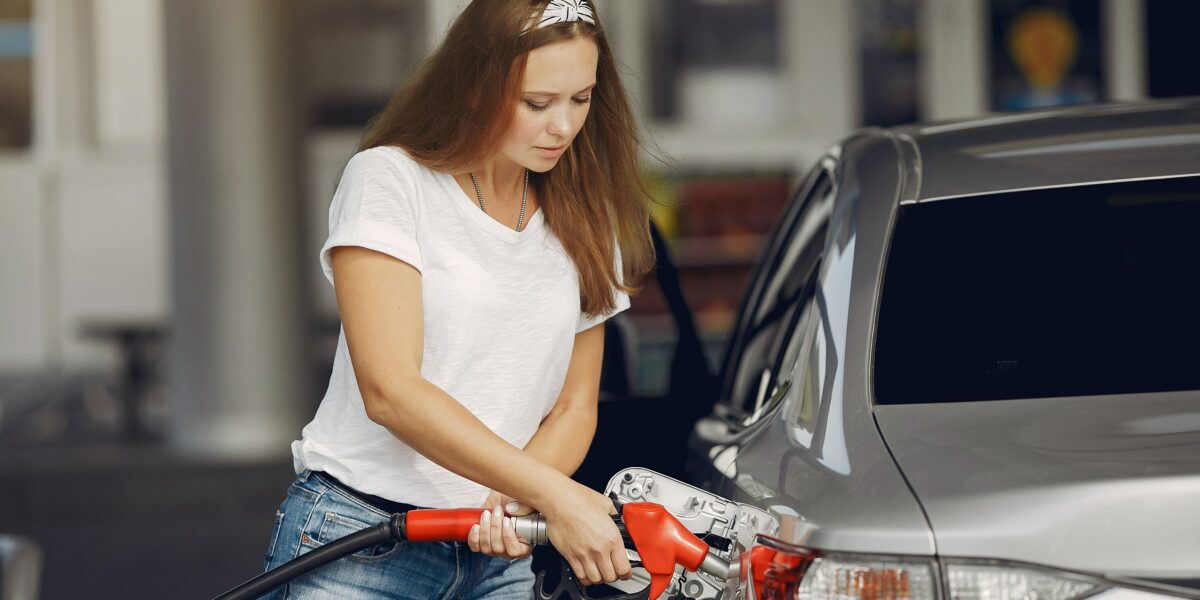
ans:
(501, 175)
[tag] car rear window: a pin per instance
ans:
(1071, 291)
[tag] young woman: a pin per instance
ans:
(491, 221)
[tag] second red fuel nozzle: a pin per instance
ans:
(660, 540)
(663, 542)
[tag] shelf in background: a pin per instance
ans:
(717, 251)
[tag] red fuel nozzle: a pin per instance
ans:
(454, 524)
(662, 542)
(440, 525)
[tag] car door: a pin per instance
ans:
(650, 431)
(776, 343)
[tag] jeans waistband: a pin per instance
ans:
(382, 504)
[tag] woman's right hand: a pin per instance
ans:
(581, 528)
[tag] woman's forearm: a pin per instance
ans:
(564, 436)
(563, 439)
(436, 425)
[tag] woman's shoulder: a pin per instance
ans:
(390, 168)
(384, 158)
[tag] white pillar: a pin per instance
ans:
(1124, 24)
(627, 24)
(63, 91)
(821, 66)
(238, 332)
(63, 128)
(127, 60)
(953, 66)
(439, 14)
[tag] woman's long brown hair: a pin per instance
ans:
(452, 114)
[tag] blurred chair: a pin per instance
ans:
(140, 343)
(51, 407)
(20, 568)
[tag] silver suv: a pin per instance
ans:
(968, 365)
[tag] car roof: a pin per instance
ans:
(1052, 147)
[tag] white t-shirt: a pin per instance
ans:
(501, 310)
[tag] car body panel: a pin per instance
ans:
(1084, 483)
(838, 489)
(1062, 146)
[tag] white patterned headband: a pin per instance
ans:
(567, 11)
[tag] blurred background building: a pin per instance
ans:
(165, 170)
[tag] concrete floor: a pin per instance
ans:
(130, 522)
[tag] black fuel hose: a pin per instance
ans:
(391, 530)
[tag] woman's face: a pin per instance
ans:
(554, 101)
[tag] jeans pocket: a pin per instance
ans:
(335, 526)
(298, 490)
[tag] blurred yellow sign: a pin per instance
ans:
(1043, 44)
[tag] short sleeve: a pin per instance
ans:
(621, 300)
(375, 207)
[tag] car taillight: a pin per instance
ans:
(982, 581)
(782, 571)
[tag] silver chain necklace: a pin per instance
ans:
(524, 195)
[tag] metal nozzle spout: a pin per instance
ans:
(532, 528)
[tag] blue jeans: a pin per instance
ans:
(315, 513)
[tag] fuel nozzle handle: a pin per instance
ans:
(663, 542)
(660, 540)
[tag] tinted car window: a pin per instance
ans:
(803, 374)
(777, 299)
(793, 339)
(1061, 292)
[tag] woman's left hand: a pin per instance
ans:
(494, 535)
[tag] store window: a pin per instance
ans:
(16, 74)
(889, 45)
(715, 63)
(355, 53)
